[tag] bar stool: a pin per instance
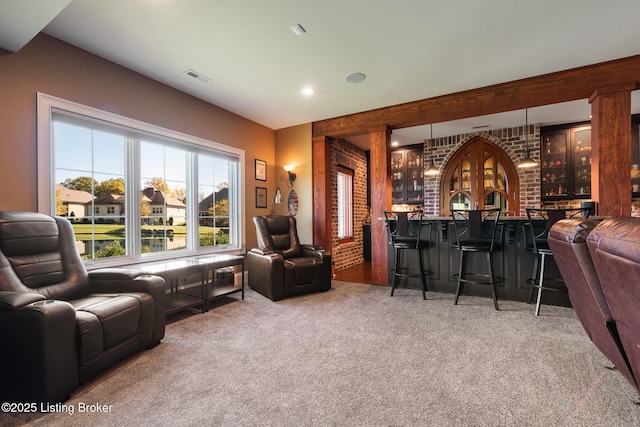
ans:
(539, 223)
(406, 231)
(475, 231)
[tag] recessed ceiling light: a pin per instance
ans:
(308, 91)
(355, 77)
(395, 143)
(298, 29)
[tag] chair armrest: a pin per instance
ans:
(318, 252)
(314, 251)
(12, 301)
(42, 365)
(122, 280)
(266, 273)
(258, 251)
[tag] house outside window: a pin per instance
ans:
(345, 204)
(144, 187)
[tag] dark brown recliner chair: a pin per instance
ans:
(568, 241)
(282, 267)
(615, 249)
(59, 325)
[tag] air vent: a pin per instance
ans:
(197, 76)
(481, 127)
(298, 29)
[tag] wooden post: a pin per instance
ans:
(321, 181)
(380, 182)
(611, 149)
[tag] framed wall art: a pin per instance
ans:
(261, 170)
(261, 197)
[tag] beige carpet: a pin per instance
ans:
(354, 356)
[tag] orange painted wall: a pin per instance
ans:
(56, 68)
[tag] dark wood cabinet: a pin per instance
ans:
(407, 175)
(565, 162)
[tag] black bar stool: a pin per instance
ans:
(539, 223)
(475, 231)
(406, 232)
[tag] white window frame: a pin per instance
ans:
(345, 204)
(47, 105)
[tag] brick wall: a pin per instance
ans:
(343, 153)
(511, 141)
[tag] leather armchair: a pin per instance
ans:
(59, 324)
(281, 266)
(568, 241)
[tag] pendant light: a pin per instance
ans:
(527, 162)
(432, 170)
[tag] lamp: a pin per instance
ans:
(278, 198)
(432, 170)
(292, 175)
(527, 162)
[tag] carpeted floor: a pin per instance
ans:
(354, 356)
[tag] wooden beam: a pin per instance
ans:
(562, 86)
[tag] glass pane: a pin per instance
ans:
(495, 200)
(455, 183)
(501, 181)
(213, 201)
(488, 173)
(466, 176)
(582, 161)
(345, 205)
(90, 189)
(397, 172)
(163, 217)
(460, 201)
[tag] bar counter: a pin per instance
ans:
(512, 263)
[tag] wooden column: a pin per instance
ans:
(611, 149)
(321, 181)
(380, 183)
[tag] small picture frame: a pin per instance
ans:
(261, 170)
(261, 197)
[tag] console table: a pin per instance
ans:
(191, 280)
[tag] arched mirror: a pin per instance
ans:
(480, 175)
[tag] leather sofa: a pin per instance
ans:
(600, 264)
(59, 324)
(281, 266)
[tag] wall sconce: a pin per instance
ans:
(291, 173)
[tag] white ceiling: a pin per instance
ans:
(408, 49)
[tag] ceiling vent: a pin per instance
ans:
(298, 29)
(481, 127)
(197, 76)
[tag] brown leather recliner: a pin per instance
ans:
(60, 325)
(568, 241)
(282, 267)
(615, 249)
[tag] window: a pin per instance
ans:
(134, 191)
(480, 175)
(345, 203)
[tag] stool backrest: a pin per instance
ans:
(540, 222)
(403, 226)
(478, 224)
